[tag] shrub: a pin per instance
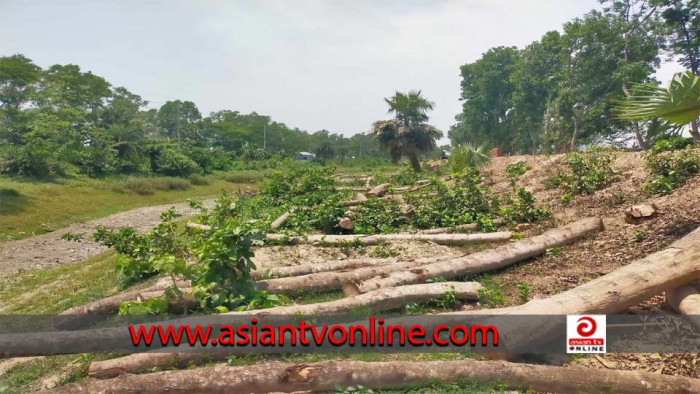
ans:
(198, 180)
(515, 170)
(442, 206)
(140, 186)
(147, 186)
(243, 176)
(521, 208)
(669, 170)
(672, 143)
(378, 216)
(173, 163)
(586, 173)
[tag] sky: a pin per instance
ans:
(310, 64)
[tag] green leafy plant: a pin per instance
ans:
(468, 155)
(669, 170)
(523, 292)
(515, 170)
(520, 207)
(586, 173)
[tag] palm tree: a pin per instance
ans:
(679, 104)
(407, 134)
(325, 151)
(469, 155)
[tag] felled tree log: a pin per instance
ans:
(280, 221)
(333, 265)
(346, 224)
(110, 305)
(360, 197)
(487, 260)
(352, 203)
(380, 300)
(441, 239)
(468, 226)
(139, 362)
(379, 190)
(328, 375)
(685, 300)
(326, 281)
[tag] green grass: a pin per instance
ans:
(55, 289)
(30, 207)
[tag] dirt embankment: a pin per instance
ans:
(49, 249)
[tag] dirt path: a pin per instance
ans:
(45, 250)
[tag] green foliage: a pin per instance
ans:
(148, 186)
(586, 173)
(523, 292)
(520, 207)
(468, 155)
(407, 135)
(673, 143)
(679, 103)
(198, 180)
(491, 294)
(515, 170)
(443, 206)
(640, 236)
(382, 251)
(379, 216)
(151, 306)
(669, 170)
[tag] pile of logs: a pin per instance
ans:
(389, 284)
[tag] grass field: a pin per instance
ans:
(31, 207)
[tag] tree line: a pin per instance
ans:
(63, 120)
(563, 90)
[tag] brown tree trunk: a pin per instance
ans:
(575, 136)
(328, 375)
(487, 260)
(694, 130)
(415, 161)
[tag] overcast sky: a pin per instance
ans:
(310, 64)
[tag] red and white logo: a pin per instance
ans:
(585, 334)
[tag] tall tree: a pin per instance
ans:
(177, 116)
(407, 134)
(487, 94)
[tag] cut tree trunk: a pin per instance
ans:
(379, 190)
(327, 281)
(612, 293)
(360, 197)
(346, 224)
(139, 362)
(468, 226)
(380, 300)
(487, 260)
(332, 265)
(441, 239)
(352, 203)
(329, 375)
(279, 221)
(110, 305)
(686, 300)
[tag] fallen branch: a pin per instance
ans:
(487, 260)
(139, 362)
(359, 201)
(328, 375)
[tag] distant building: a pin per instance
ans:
(305, 156)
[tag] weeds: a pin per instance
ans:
(585, 174)
(669, 170)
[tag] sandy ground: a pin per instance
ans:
(45, 250)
